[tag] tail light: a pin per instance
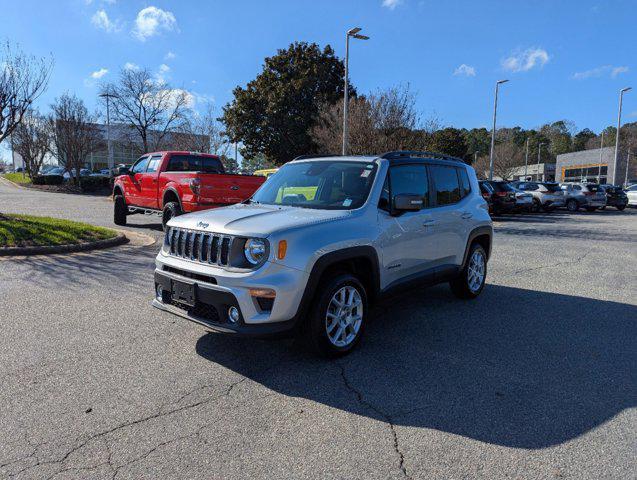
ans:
(501, 194)
(486, 195)
(589, 193)
(195, 185)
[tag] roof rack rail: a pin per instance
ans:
(305, 157)
(417, 154)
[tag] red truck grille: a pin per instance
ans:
(199, 246)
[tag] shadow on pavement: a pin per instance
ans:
(516, 368)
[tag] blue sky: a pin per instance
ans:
(565, 59)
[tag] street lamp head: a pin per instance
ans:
(354, 31)
(501, 81)
(361, 37)
(625, 89)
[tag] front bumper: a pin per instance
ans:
(217, 289)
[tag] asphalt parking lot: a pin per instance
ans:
(537, 378)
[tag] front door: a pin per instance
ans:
(148, 183)
(405, 242)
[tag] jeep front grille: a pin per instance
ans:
(199, 246)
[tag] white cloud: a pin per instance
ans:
(151, 20)
(169, 56)
(618, 70)
(100, 20)
(600, 72)
(163, 68)
(465, 71)
(526, 60)
(392, 4)
(131, 66)
(97, 74)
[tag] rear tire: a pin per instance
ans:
(536, 206)
(120, 210)
(326, 318)
(620, 207)
(471, 281)
(171, 209)
(572, 205)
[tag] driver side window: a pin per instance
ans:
(140, 165)
(410, 179)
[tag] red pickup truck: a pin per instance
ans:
(172, 183)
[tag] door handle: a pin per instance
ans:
(234, 187)
(429, 223)
(467, 215)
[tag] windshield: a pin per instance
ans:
(329, 185)
(502, 187)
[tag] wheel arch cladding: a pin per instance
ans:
(170, 195)
(483, 236)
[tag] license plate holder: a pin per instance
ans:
(183, 293)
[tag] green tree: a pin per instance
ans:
(257, 162)
(478, 140)
(581, 139)
(275, 113)
(229, 164)
(449, 141)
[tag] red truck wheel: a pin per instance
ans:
(119, 210)
(171, 209)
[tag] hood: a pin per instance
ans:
(254, 220)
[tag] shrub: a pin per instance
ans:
(91, 184)
(53, 179)
(39, 180)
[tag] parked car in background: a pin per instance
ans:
(631, 194)
(589, 196)
(172, 183)
(523, 200)
(266, 172)
(54, 171)
(615, 197)
(502, 196)
(486, 191)
(546, 196)
(84, 172)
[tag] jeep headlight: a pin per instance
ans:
(255, 250)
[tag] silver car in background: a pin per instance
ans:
(631, 193)
(583, 195)
(546, 196)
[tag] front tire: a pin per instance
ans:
(471, 281)
(572, 205)
(120, 210)
(338, 316)
(536, 206)
(620, 207)
(171, 209)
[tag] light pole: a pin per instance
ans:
(107, 95)
(619, 124)
(539, 149)
(495, 111)
(526, 159)
(627, 163)
(601, 149)
(353, 32)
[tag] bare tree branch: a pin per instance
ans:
(23, 79)
(32, 139)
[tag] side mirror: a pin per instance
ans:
(408, 202)
(123, 171)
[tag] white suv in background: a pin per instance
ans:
(320, 240)
(631, 193)
(547, 196)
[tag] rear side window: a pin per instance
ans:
(411, 179)
(194, 163)
(447, 187)
(593, 188)
(153, 165)
(465, 185)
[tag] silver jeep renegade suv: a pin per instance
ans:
(321, 240)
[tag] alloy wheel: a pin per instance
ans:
(344, 316)
(476, 271)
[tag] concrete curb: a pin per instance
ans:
(53, 249)
(11, 184)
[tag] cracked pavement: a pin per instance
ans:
(535, 379)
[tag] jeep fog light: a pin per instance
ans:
(233, 314)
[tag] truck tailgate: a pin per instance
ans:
(225, 189)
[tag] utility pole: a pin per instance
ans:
(111, 162)
(353, 32)
(619, 124)
(601, 148)
(627, 164)
(495, 112)
(539, 149)
(526, 159)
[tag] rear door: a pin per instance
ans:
(406, 239)
(450, 219)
